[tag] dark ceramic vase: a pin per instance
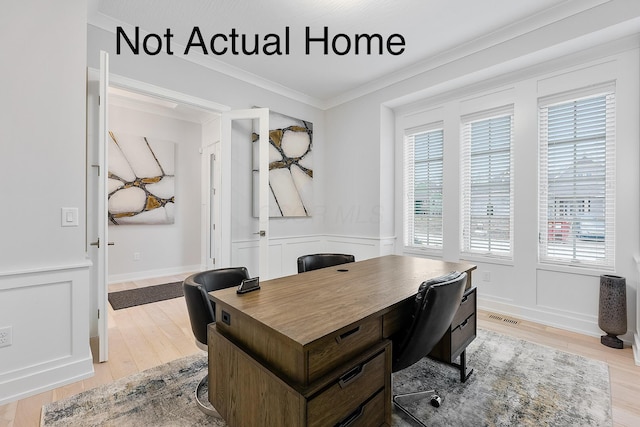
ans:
(612, 313)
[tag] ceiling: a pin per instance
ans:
(434, 31)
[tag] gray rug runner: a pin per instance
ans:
(145, 295)
(515, 383)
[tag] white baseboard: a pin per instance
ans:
(149, 274)
(586, 325)
(636, 348)
(33, 383)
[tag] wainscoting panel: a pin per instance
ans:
(361, 247)
(284, 251)
(47, 311)
(283, 254)
(572, 306)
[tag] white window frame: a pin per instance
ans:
(480, 236)
(564, 239)
(433, 239)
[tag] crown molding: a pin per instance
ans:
(109, 24)
(599, 44)
(512, 32)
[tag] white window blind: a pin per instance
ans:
(577, 181)
(423, 162)
(487, 183)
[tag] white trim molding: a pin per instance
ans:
(636, 335)
(636, 348)
(148, 274)
(574, 322)
(284, 251)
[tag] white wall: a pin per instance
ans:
(168, 248)
(191, 79)
(358, 137)
(44, 280)
(563, 297)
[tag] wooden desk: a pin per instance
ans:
(312, 349)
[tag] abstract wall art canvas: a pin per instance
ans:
(141, 183)
(290, 167)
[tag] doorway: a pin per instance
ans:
(133, 94)
(144, 248)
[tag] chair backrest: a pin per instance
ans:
(434, 307)
(316, 261)
(196, 287)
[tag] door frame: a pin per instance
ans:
(210, 251)
(261, 116)
(120, 82)
(96, 231)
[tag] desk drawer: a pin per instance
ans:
(462, 335)
(348, 392)
(366, 415)
(467, 307)
(330, 352)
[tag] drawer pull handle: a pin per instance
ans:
(463, 324)
(342, 336)
(351, 418)
(351, 375)
(464, 299)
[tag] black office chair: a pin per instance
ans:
(202, 310)
(316, 261)
(433, 310)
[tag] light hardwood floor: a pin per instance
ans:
(149, 335)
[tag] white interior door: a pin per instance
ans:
(97, 229)
(260, 116)
(211, 205)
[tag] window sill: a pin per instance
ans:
(487, 259)
(431, 253)
(575, 269)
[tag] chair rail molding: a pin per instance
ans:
(284, 251)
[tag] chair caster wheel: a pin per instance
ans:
(436, 401)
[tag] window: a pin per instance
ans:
(487, 183)
(577, 180)
(423, 186)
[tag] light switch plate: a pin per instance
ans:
(69, 217)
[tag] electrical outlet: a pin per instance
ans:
(486, 276)
(5, 336)
(136, 256)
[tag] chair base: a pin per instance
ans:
(435, 400)
(206, 408)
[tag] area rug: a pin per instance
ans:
(145, 295)
(515, 383)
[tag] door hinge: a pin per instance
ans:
(214, 226)
(98, 313)
(214, 261)
(97, 243)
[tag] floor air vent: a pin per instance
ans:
(503, 319)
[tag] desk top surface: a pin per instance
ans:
(311, 305)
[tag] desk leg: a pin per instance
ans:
(464, 376)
